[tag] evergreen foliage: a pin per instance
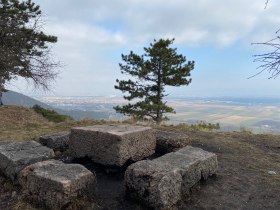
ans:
(158, 67)
(24, 48)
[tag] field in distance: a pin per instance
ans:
(255, 117)
(259, 115)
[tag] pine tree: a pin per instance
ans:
(158, 67)
(24, 48)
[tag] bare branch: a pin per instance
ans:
(266, 3)
(270, 61)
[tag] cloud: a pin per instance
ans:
(84, 35)
(203, 21)
(92, 32)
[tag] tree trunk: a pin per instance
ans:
(1, 90)
(159, 117)
(1, 94)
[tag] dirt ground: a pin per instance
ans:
(242, 181)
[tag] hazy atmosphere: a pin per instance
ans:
(92, 35)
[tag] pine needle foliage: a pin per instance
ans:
(150, 73)
(24, 47)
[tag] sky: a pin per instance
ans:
(216, 34)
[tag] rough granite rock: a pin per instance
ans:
(14, 156)
(162, 182)
(112, 145)
(170, 141)
(57, 141)
(55, 184)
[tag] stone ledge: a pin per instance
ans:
(14, 156)
(162, 182)
(168, 141)
(57, 141)
(55, 184)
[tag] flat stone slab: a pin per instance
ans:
(14, 156)
(55, 184)
(168, 141)
(57, 141)
(112, 145)
(162, 182)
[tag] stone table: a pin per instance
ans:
(112, 145)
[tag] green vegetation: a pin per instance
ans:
(51, 115)
(200, 126)
(24, 47)
(158, 67)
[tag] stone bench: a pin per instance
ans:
(168, 141)
(112, 145)
(162, 182)
(54, 184)
(14, 156)
(57, 141)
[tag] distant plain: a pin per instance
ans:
(259, 115)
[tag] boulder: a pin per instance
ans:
(168, 141)
(161, 183)
(112, 145)
(54, 184)
(57, 141)
(14, 156)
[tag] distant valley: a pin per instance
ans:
(260, 115)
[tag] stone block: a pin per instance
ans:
(54, 184)
(168, 141)
(112, 145)
(14, 156)
(57, 141)
(161, 183)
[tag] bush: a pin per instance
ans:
(51, 115)
(200, 126)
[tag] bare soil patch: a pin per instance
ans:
(243, 181)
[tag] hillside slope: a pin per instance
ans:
(20, 123)
(14, 98)
(243, 180)
(15, 116)
(18, 99)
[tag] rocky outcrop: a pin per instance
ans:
(112, 145)
(168, 141)
(14, 156)
(162, 182)
(57, 141)
(55, 184)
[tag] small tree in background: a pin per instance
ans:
(158, 67)
(24, 48)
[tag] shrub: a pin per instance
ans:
(51, 115)
(200, 126)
